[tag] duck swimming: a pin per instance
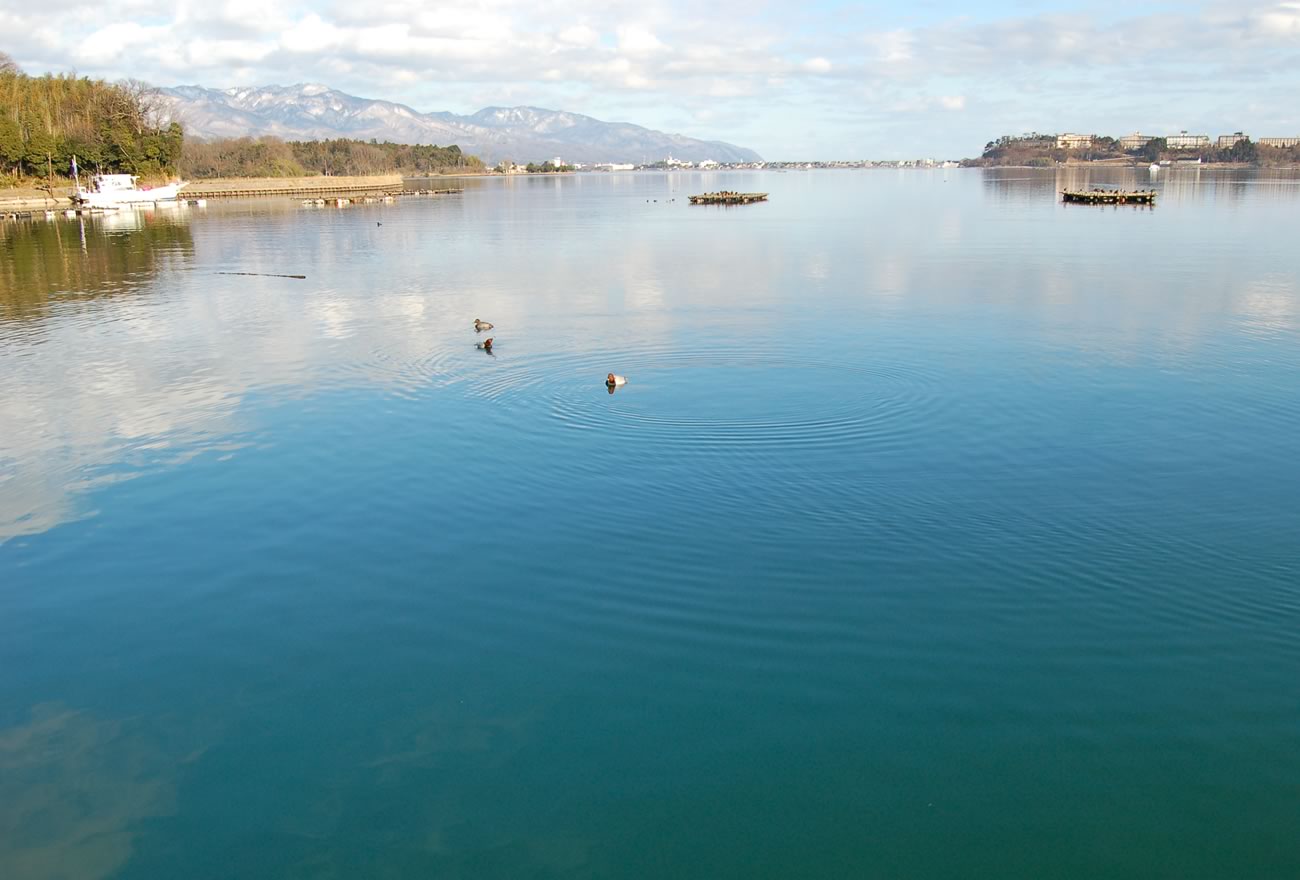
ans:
(485, 345)
(481, 325)
(614, 381)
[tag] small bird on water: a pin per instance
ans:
(613, 381)
(481, 325)
(485, 345)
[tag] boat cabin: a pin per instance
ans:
(113, 182)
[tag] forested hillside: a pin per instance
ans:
(1040, 150)
(109, 127)
(272, 157)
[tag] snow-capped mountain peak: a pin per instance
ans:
(313, 111)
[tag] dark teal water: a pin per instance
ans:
(941, 531)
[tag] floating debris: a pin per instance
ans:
(264, 274)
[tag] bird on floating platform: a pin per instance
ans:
(481, 325)
(615, 381)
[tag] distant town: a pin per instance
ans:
(670, 164)
(1032, 149)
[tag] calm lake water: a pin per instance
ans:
(942, 530)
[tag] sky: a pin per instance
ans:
(819, 80)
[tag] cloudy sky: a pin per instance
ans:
(816, 80)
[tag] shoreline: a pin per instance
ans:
(24, 199)
(1110, 163)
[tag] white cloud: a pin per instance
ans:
(312, 35)
(635, 38)
(1282, 20)
(661, 60)
(578, 35)
(112, 41)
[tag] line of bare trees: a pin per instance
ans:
(111, 127)
(272, 157)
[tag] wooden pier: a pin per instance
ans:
(1109, 197)
(728, 198)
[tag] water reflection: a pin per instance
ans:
(73, 791)
(1175, 183)
(579, 274)
(890, 442)
(47, 263)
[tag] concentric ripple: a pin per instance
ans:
(409, 372)
(728, 399)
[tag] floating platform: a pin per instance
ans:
(728, 198)
(53, 213)
(1109, 197)
(385, 198)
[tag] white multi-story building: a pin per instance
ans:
(1135, 141)
(1279, 142)
(1229, 140)
(1185, 141)
(1073, 141)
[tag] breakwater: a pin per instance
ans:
(252, 187)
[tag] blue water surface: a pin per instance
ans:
(942, 530)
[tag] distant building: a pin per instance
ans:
(708, 163)
(1230, 140)
(1073, 141)
(557, 162)
(1134, 141)
(1279, 142)
(1185, 141)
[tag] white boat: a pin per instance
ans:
(115, 190)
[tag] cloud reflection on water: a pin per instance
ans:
(73, 789)
(123, 351)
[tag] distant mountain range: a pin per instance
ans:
(522, 134)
